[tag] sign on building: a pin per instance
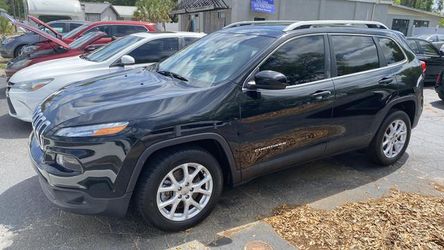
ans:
(263, 6)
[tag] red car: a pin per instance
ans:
(113, 30)
(84, 44)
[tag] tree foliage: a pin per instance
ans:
(426, 5)
(156, 11)
(6, 28)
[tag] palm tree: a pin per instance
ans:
(156, 11)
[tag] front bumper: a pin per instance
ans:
(71, 199)
(6, 52)
(21, 104)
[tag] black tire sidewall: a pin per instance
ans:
(147, 202)
(376, 150)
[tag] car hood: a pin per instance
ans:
(53, 68)
(43, 34)
(125, 96)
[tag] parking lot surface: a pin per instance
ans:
(28, 220)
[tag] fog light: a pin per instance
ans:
(69, 162)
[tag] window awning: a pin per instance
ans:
(193, 6)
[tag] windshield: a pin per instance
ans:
(74, 31)
(109, 50)
(425, 37)
(215, 58)
(83, 40)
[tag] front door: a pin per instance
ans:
(282, 127)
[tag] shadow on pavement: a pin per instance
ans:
(15, 128)
(38, 224)
(2, 93)
(438, 104)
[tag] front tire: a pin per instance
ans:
(392, 139)
(18, 50)
(178, 189)
(441, 95)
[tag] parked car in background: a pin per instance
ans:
(428, 53)
(112, 29)
(237, 104)
(78, 47)
(439, 85)
(436, 39)
(11, 47)
(30, 86)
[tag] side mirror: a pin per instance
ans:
(269, 79)
(127, 60)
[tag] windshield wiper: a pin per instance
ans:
(172, 75)
(85, 57)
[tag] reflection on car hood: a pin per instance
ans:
(128, 95)
(53, 68)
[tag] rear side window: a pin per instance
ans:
(156, 50)
(413, 46)
(354, 54)
(428, 48)
(189, 40)
(301, 60)
(73, 26)
(392, 52)
(123, 30)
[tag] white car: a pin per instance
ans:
(30, 86)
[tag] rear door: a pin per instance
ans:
(364, 81)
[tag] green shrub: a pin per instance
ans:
(6, 27)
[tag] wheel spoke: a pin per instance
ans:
(173, 179)
(171, 188)
(202, 191)
(186, 209)
(201, 182)
(168, 202)
(195, 173)
(173, 208)
(195, 204)
(186, 174)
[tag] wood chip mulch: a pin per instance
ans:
(397, 221)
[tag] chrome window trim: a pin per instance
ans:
(248, 79)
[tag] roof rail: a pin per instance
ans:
(254, 23)
(311, 24)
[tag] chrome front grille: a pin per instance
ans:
(39, 125)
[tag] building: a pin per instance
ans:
(210, 15)
(99, 12)
(125, 12)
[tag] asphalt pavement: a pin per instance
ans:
(29, 221)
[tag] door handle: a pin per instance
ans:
(319, 95)
(386, 80)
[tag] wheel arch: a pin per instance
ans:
(223, 154)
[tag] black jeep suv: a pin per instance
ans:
(237, 104)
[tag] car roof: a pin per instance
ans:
(278, 31)
(69, 21)
(167, 34)
(122, 22)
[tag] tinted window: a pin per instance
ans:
(440, 37)
(413, 46)
(155, 51)
(354, 54)
(103, 28)
(301, 60)
(59, 27)
(428, 48)
(123, 30)
(391, 51)
(189, 40)
(74, 25)
(109, 50)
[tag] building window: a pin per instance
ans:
(401, 25)
(421, 23)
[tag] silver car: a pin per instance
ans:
(436, 39)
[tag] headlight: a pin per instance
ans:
(19, 64)
(93, 130)
(7, 40)
(32, 85)
(29, 49)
